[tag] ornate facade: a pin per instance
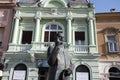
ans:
(108, 32)
(35, 24)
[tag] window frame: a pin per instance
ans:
(21, 32)
(51, 23)
(85, 69)
(85, 42)
(115, 46)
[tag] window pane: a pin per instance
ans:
(52, 36)
(53, 26)
(79, 38)
(82, 73)
(59, 28)
(47, 28)
(46, 36)
(111, 38)
(27, 37)
(112, 44)
(113, 47)
(50, 32)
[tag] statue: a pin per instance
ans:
(59, 61)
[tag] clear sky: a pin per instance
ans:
(106, 5)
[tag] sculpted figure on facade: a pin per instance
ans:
(60, 63)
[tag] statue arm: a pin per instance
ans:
(52, 55)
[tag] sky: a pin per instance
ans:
(106, 5)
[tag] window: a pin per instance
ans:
(114, 73)
(26, 37)
(79, 38)
(20, 72)
(82, 73)
(1, 35)
(50, 32)
(112, 44)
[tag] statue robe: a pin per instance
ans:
(63, 61)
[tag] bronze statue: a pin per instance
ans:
(59, 61)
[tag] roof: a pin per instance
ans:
(108, 14)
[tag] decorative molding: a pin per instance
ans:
(90, 18)
(17, 15)
(110, 30)
(69, 16)
(54, 11)
(38, 15)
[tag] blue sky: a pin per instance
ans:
(106, 5)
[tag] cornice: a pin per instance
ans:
(110, 30)
(7, 4)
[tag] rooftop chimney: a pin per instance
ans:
(112, 10)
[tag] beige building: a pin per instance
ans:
(108, 34)
(6, 17)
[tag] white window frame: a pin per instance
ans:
(112, 45)
(85, 36)
(21, 32)
(50, 23)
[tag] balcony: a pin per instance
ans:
(42, 48)
(19, 48)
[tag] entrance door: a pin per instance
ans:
(82, 73)
(43, 71)
(20, 72)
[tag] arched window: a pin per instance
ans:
(20, 72)
(82, 73)
(114, 73)
(50, 32)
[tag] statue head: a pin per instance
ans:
(59, 38)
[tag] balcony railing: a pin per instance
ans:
(44, 46)
(19, 48)
(80, 48)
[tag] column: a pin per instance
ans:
(69, 19)
(37, 29)
(91, 32)
(16, 30)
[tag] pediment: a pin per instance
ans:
(110, 30)
(55, 3)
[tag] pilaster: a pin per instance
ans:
(69, 32)
(91, 31)
(16, 28)
(37, 28)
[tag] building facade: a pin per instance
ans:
(34, 27)
(108, 34)
(6, 17)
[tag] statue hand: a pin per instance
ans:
(67, 72)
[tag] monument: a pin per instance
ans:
(60, 63)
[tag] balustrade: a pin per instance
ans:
(77, 49)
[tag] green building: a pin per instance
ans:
(34, 27)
